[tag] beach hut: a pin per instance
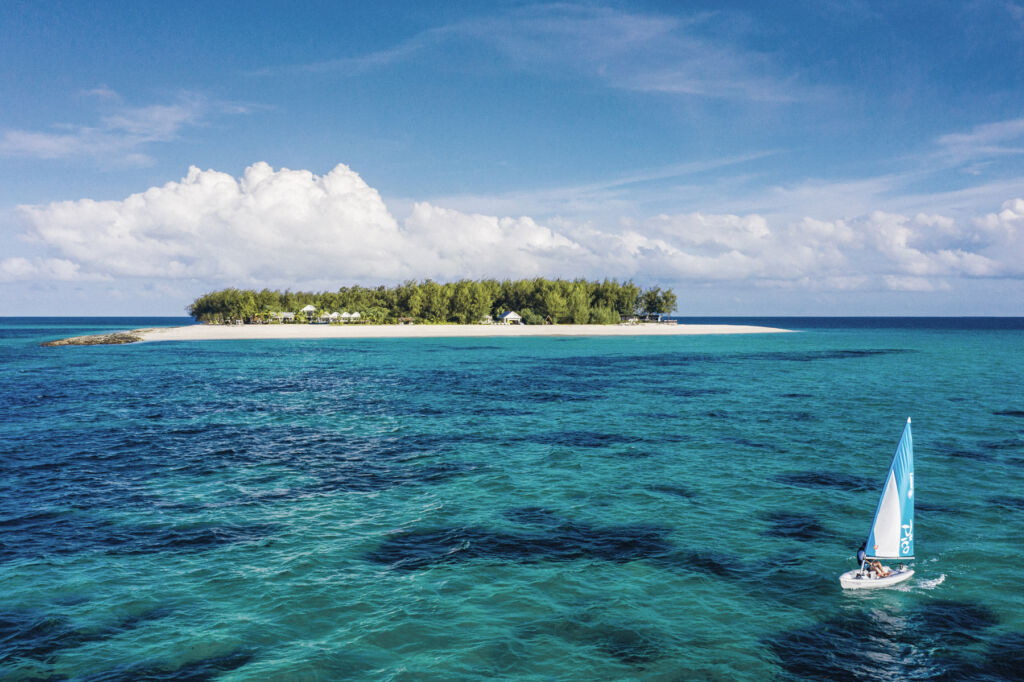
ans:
(283, 317)
(333, 317)
(510, 317)
(345, 316)
(355, 317)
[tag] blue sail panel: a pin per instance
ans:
(892, 531)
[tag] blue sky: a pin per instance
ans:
(761, 158)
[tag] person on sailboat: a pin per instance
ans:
(872, 565)
(876, 566)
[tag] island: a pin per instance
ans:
(428, 309)
(534, 301)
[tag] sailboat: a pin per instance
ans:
(891, 537)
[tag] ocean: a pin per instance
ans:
(671, 508)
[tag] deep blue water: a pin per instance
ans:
(850, 323)
(561, 508)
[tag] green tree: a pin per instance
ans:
(554, 305)
(483, 300)
(375, 314)
(603, 315)
(627, 300)
(657, 302)
(668, 302)
(461, 304)
(266, 303)
(530, 317)
(246, 306)
(435, 301)
(578, 303)
(414, 304)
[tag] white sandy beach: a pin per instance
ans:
(204, 332)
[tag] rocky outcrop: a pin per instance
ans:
(97, 339)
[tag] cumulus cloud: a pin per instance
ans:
(267, 224)
(1003, 233)
(452, 244)
(294, 228)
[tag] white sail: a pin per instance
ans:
(886, 529)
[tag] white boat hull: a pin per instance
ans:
(860, 580)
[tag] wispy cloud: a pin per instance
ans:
(645, 52)
(734, 185)
(102, 92)
(119, 136)
(1017, 12)
(624, 50)
(622, 194)
(999, 138)
(351, 66)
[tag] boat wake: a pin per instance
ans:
(930, 584)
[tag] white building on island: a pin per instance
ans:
(510, 317)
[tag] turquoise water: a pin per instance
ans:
(585, 508)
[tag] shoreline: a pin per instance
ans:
(203, 332)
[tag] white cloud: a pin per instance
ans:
(1017, 12)
(905, 283)
(50, 269)
(359, 64)
(1003, 233)
(989, 140)
(636, 51)
(119, 136)
(293, 228)
(644, 52)
(209, 225)
(103, 92)
(986, 134)
(452, 244)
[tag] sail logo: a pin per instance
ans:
(907, 538)
(910, 491)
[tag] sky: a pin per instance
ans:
(794, 158)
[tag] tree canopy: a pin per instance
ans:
(538, 300)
